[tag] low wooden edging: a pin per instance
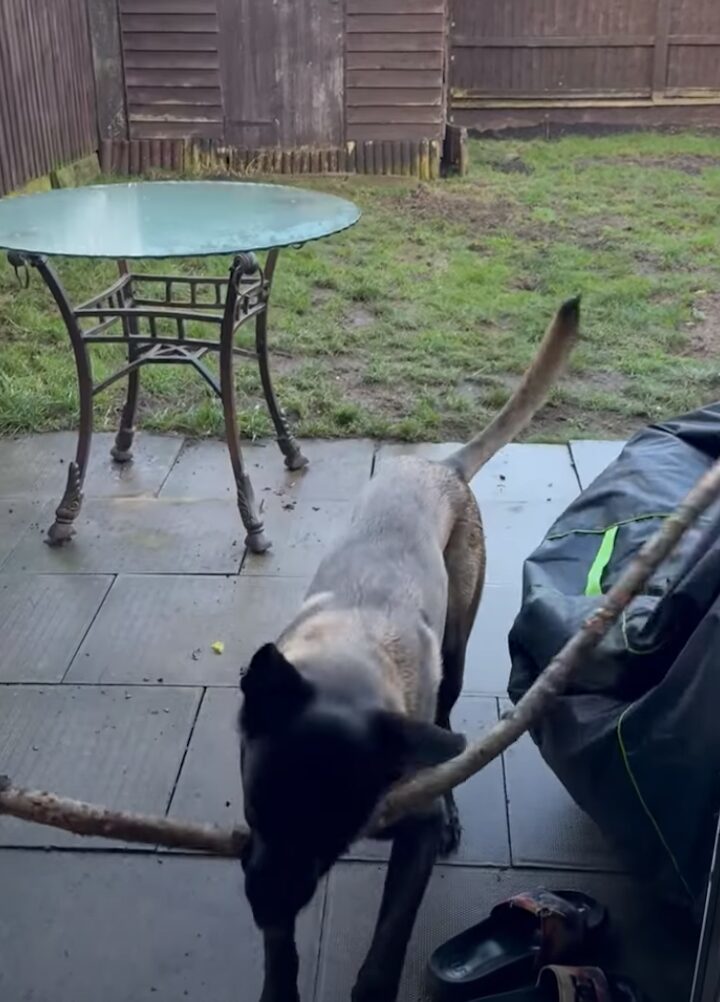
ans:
(400, 158)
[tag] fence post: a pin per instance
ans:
(660, 54)
(104, 23)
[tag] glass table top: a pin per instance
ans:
(169, 219)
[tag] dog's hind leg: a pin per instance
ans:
(465, 562)
(415, 849)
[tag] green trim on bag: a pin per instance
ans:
(593, 585)
(613, 525)
(643, 804)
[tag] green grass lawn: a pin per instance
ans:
(417, 323)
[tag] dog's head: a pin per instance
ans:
(314, 767)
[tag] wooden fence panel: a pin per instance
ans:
(308, 48)
(695, 17)
(282, 70)
(47, 93)
(693, 65)
(490, 19)
(558, 72)
(172, 68)
(693, 69)
(543, 48)
(618, 57)
(395, 69)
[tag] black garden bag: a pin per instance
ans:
(636, 738)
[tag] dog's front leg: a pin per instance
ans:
(414, 851)
(281, 966)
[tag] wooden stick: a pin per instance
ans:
(422, 789)
(92, 819)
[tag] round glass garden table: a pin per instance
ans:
(149, 313)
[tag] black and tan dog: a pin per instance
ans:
(357, 691)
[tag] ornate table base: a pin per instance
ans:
(130, 313)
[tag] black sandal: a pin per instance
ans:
(573, 984)
(507, 949)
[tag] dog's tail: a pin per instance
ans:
(537, 382)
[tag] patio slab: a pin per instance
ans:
(547, 828)
(209, 787)
(119, 746)
(516, 473)
(591, 457)
(43, 619)
(487, 661)
(138, 536)
(645, 944)
(86, 927)
(301, 533)
(513, 530)
(481, 801)
(36, 465)
(336, 472)
(17, 516)
(163, 626)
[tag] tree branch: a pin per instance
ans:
(90, 819)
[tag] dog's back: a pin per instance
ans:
(381, 591)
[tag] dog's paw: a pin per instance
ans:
(451, 830)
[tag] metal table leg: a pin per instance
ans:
(294, 459)
(69, 508)
(121, 451)
(256, 541)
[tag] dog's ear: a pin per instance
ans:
(414, 744)
(273, 690)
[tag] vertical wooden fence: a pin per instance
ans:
(47, 95)
(640, 62)
(296, 86)
(307, 86)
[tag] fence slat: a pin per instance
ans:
(47, 107)
(662, 47)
